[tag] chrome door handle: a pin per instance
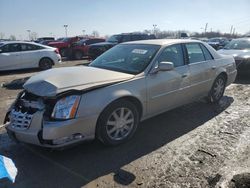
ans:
(213, 67)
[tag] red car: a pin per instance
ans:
(80, 48)
(64, 45)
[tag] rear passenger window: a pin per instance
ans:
(30, 47)
(207, 54)
(195, 53)
(172, 54)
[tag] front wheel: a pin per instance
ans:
(217, 90)
(117, 123)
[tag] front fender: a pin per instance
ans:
(94, 102)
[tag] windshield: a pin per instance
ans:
(65, 39)
(114, 38)
(127, 58)
(1, 44)
(238, 44)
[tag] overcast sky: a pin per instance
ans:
(47, 17)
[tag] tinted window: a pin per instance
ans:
(11, 48)
(238, 44)
(136, 37)
(29, 47)
(172, 54)
(195, 53)
(207, 54)
(125, 38)
(115, 38)
(92, 41)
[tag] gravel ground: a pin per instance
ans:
(197, 145)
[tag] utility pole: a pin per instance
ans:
(231, 29)
(66, 30)
(29, 33)
(234, 31)
(205, 29)
(154, 25)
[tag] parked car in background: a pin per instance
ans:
(240, 50)
(97, 49)
(39, 40)
(80, 48)
(46, 42)
(20, 55)
(64, 45)
(218, 43)
(127, 84)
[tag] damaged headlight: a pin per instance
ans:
(66, 107)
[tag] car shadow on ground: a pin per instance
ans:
(15, 84)
(79, 165)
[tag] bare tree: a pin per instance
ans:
(1, 35)
(12, 37)
(33, 36)
(95, 33)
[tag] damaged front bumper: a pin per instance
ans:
(34, 128)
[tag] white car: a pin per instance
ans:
(20, 55)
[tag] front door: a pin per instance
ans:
(10, 56)
(166, 89)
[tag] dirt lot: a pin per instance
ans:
(197, 145)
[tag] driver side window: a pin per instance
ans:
(172, 54)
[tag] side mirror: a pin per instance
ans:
(1, 50)
(163, 66)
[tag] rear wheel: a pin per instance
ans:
(45, 63)
(217, 89)
(117, 123)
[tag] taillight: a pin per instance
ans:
(56, 51)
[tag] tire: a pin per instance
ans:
(78, 55)
(45, 63)
(217, 90)
(117, 123)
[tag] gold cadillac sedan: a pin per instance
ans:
(107, 100)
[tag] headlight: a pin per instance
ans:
(66, 107)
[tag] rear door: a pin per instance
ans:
(30, 55)
(199, 62)
(166, 89)
(10, 58)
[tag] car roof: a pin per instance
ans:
(24, 42)
(163, 42)
(11, 42)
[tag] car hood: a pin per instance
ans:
(104, 44)
(237, 54)
(51, 82)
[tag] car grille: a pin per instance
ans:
(20, 120)
(26, 105)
